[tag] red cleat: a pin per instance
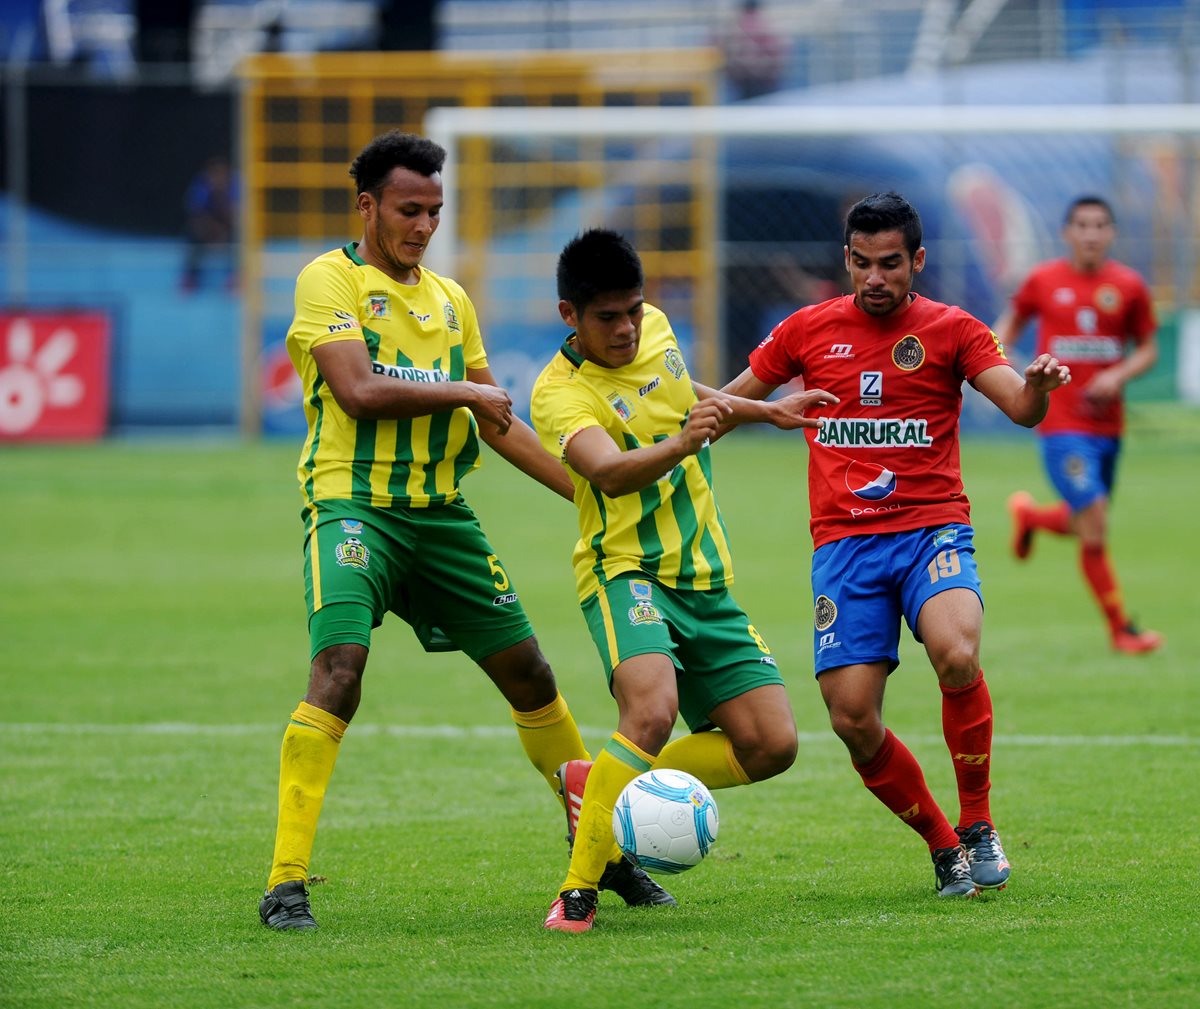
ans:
(1131, 641)
(572, 911)
(572, 777)
(1018, 507)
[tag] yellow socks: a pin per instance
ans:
(707, 755)
(310, 748)
(616, 766)
(550, 738)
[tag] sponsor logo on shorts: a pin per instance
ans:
(944, 536)
(824, 613)
(621, 405)
(766, 660)
(1075, 467)
(644, 613)
(352, 553)
(379, 306)
(451, 318)
(869, 481)
(504, 600)
(352, 527)
(674, 360)
(650, 386)
(908, 354)
(828, 641)
(347, 322)
(884, 432)
(640, 589)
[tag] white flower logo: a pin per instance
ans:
(31, 382)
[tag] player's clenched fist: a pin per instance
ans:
(1044, 373)
(703, 421)
(493, 404)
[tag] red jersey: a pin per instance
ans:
(1084, 320)
(885, 458)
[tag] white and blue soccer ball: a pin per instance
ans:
(665, 821)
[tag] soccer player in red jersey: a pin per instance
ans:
(890, 522)
(1089, 310)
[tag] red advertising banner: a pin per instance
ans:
(54, 375)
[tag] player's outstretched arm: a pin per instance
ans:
(595, 456)
(345, 366)
(1023, 400)
(520, 446)
(787, 413)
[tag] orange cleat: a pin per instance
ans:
(1018, 507)
(1131, 641)
(572, 777)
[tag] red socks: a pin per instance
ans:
(1103, 583)
(967, 726)
(894, 777)
(1055, 518)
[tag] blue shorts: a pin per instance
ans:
(862, 585)
(1081, 466)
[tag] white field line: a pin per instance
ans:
(506, 731)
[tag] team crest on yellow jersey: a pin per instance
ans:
(451, 318)
(352, 553)
(621, 405)
(674, 362)
(908, 354)
(379, 305)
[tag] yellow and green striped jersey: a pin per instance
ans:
(426, 332)
(671, 530)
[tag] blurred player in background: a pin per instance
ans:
(890, 522)
(397, 392)
(652, 564)
(1090, 309)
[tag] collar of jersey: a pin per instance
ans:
(571, 354)
(351, 251)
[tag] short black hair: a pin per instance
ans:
(885, 212)
(594, 263)
(1089, 200)
(395, 149)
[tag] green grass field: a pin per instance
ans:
(152, 646)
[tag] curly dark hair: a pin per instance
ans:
(596, 262)
(885, 212)
(395, 149)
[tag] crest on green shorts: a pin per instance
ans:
(644, 613)
(352, 553)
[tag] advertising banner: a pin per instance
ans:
(54, 375)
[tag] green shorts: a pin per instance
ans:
(718, 655)
(432, 567)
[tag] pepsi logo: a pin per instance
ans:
(869, 481)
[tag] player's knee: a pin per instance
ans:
(775, 754)
(958, 664)
(855, 727)
(650, 726)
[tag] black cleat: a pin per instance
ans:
(632, 885)
(286, 908)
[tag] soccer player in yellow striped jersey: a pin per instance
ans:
(397, 393)
(652, 565)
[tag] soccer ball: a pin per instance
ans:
(665, 821)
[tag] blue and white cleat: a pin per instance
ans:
(952, 873)
(989, 867)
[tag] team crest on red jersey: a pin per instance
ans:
(1108, 298)
(908, 354)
